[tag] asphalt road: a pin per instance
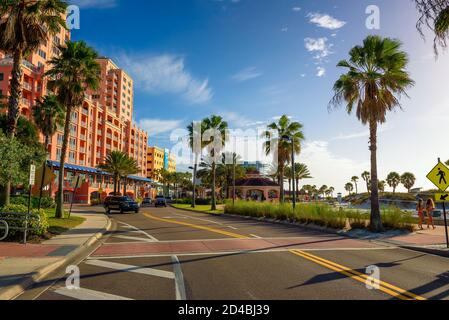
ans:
(171, 254)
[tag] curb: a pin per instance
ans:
(13, 291)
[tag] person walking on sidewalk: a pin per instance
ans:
(420, 209)
(430, 207)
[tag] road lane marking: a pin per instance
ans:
(199, 219)
(133, 238)
(138, 230)
(385, 287)
(224, 253)
(86, 294)
(254, 236)
(130, 268)
(191, 225)
(179, 279)
(233, 228)
(353, 274)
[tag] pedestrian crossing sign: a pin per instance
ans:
(439, 176)
(442, 197)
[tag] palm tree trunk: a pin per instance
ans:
(214, 202)
(297, 188)
(376, 221)
(15, 93)
(115, 184)
(281, 182)
(124, 187)
(60, 196)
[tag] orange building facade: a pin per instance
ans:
(103, 123)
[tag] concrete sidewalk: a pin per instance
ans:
(432, 240)
(23, 265)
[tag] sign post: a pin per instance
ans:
(75, 187)
(439, 176)
(31, 184)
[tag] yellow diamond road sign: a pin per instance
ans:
(440, 176)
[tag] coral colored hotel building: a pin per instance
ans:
(103, 124)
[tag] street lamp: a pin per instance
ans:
(291, 140)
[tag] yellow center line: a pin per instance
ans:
(191, 225)
(385, 287)
(410, 295)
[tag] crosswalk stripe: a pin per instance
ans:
(86, 294)
(130, 268)
(133, 238)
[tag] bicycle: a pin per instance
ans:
(4, 227)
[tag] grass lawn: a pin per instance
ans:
(200, 208)
(58, 226)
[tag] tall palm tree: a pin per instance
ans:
(301, 172)
(283, 128)
(393, 180)
(435, 16)
(366, 176)
(289, 175)
(215, 129)
(408, 179)
(24, 27)
(376, 77)
(48, 114)
(73, 72)
(331, 191)
(119, 164)
(322, 190)
(349, 187)
(196, 144)
(354, 180)
(382, 186)
(229, 171)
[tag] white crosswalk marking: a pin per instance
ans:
(86, 294)
(133, 238)
(129, 268)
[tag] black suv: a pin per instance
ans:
(121, 204)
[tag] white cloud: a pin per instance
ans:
(247, 74)
(101, 4)
(320, 46)
(326, 167)
(296, 9)
(157, 126)
(320, 72)
(326, 21)
(285, 29)
(164, 74)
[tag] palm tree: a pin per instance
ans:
(196, 144)
(382, 185)
(288, 173)
(375, 80)
(393, 180)
(215, 129)
(408, 179)
(48, 114)
(355, 179)
(24, 27)
(435, 16)
(74, 71)
(322, 190)
(283, 128)
(349, 187)
(301, 172)
(366, 176)
(118, 164)
(331, 191)
(227, 170)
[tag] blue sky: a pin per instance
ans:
(254, 60)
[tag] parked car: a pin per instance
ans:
(146, 202)
(169, 200)
(160, 202)
(121, 204)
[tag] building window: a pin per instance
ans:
(2, 76)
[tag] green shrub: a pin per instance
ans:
(394, 218)
(46, 202)
(40, 228)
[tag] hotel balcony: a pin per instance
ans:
(83, 137)
(26, 102)
(27, 86)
